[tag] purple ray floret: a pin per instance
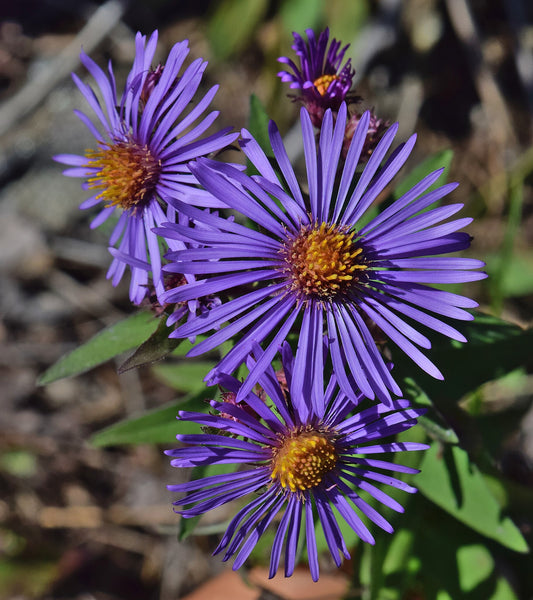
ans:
(294, 461)
(144, 140)
(306, 266)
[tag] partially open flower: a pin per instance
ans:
(320, 79)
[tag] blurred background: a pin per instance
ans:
(81, 522)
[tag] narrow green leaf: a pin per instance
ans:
(107, 344)
(512, 275)
(345, 20)
(451, 481)
(185, 376)
(156, 347)
(187, 526)
(158, 426)
(295, 12)
(258, 127)
(436, 161)
(399, 552)
(516, 201)
(232, 26)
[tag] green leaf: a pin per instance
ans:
(371, 571)
(185, 376)
(156, 347)
(451, 481)
(294, 13)
(187, 526)
(232, 26)
(494, 348)
(107, 344)
(345, 20)
(434, 563)
(514, 219)
(158, 426)
(258, 125)
(513, 275)
(475, 564)
(432, 163)
(399, 552)
(186, 345)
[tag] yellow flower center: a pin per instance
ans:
(127, 174)
(303, 459)
(323, 261)
(323, 82)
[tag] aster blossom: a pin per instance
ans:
(305, 266)
(321, 78)
(144, 140)
(297, 461)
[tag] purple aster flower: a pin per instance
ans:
(321, 81)
(143, 143)
(306, 266)
(296, 461)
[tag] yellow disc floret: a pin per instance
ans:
(127, 174)
(323, 82)
(323, 261)
(303, 459)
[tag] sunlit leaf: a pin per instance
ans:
(345, 19)
(515, 277)
(185, 376)
(451, 481)
(232, 26)
(158, 426)
(295, 12)
(107, 344)
(258, 125)
(475, 565)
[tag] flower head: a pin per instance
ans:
(307, 266)
(321, 81)
(143, 141)
(297, 461)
